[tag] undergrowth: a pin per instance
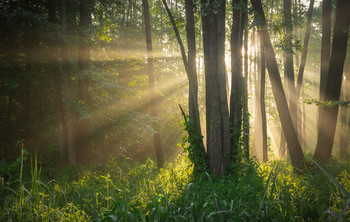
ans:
(116, 192)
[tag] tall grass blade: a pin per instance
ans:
(266, 188)
(331, 178)
(347, 203)
(214, 197)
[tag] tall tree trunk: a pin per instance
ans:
(328, 115)
(82, 128)
(304, 141)
(28, 51)
(150, 71)
(345, 132)
(246, 76)
(325, 52)
(216, 109)
(343, 126)
(225, 115)
(325, 44)
(257, 120)
(301, 70)
(192, 75)
(262, 102)
(57, 86)
(190, 67)
(294, 148)
(306, 47)
(126, 30)
(289, 66)
(68, 90)
(237, 78)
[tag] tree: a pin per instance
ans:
(329, 114)
(261, 88)
(237, 78)
(217, 115)
(302, 68)
(150, 71)
(68, 89)
(57, 85)
(245, 111)
(84, 58)
(325, 44)
(345, 116)
(190, 68)
(294, 148)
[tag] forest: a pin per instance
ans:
(174, 110)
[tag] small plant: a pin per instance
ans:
(192, 144)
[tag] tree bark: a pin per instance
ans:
(190, 67)
(301, 73)
(216, 99)
(68, 89)
(84, 58)
(325, 44)
(57, 86)
(246, 76)
(150, 71)
(28, 51)
(328, 115)
(306, 47)
(294, 148)
(262, 102)
(289, 64)
(345, 132)
(237, 78)
(126, 30)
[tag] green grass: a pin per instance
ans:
(113, 192)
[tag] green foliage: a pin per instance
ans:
(122, 192)
(192, 144)
(331, 103)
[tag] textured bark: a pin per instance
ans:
(328, 115)
(57, 86)
(216, 108)
(246, 76)
(289, 64)
(301, 73)
(150, 71)
(306, 47)
(262, 102)
(343, 142)
(294, 148)
(325, 53)
(237, 78)
(68, 89)
(84, 57)
(126, 32)
(225, 116)
(28, 52)
(304, 141)
(345, 132)
(325, 44)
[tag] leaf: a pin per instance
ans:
(331, 178)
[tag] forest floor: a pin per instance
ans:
(139, 192)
